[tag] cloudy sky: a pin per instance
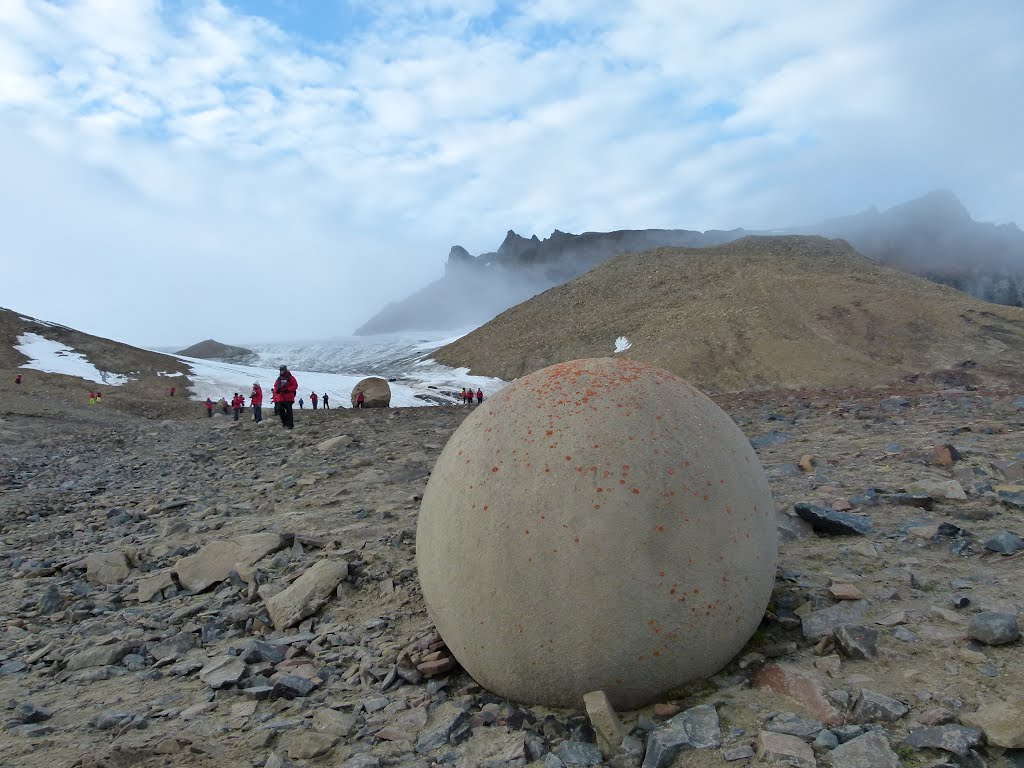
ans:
(262, 170)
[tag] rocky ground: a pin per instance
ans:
(211, 593)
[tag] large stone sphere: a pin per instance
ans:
(596, 525)
(376, 392)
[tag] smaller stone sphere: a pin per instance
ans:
(376, 392)
(596, 525)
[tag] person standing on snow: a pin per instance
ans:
(313, 399)
(285, 388)
(256, 401)
(327, 406)
(479, 396)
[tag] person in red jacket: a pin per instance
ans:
(360, 399)
(284, 389)
(209, 408)
(479, 396)
(172, 391)
(236, 404)
(17, 379)
(256, 401)
(313, 397)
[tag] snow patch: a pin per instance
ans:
(50, 356)
(622, 344)
(214, 379)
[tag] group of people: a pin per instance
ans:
(283, 396)
(314, 398)
(467, 395)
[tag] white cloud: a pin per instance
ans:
(200, 152)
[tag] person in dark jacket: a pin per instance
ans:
(285, 388)
(327, 404)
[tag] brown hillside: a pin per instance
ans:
(215, 350)
(146, 394)
(757, 313)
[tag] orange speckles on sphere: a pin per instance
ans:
(600, 490)
(494, 469)
(577, 539)
(636, 490)
(568, 458)
(486, 507)
(661, 574)
(597, 506)
(706, 497)
(659, 528)
(550, 432)
(526, 531)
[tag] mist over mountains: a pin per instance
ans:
(932, 236)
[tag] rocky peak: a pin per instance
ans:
(514, 245)
(458, 257)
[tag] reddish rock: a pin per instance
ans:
(666, 710)
(436, 667)
(945, 455)
(844, 591)
(805, 689)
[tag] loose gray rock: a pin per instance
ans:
(292, 687)
(578, 753)
(953, 738)
(873, 707)
(99, 656)
(306, 594)
(828, 521)
(1005, 543)
(993, 628)
(174, 647)
(222, 672)
(794, 725)
(27, 712)
(819, 624)
(857, 641)
(871, 750)
(437, 734)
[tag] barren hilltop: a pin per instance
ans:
(216, 350)
(757, 313)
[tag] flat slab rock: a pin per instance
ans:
(824, 520)
(214, 562)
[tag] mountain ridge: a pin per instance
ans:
(932, 236)
(757, 313)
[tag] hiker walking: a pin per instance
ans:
(302, 405)
(327, 406)
(313, 399)
(208, 405)
(256, 401)
(172, 391)
(285, 388)
(17, 380)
